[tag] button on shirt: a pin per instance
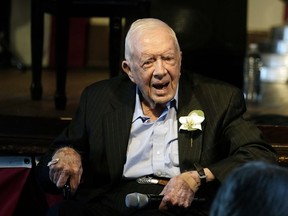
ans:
(153, 146)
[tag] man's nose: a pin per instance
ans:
(160, 69)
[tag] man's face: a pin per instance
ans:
(155, 66)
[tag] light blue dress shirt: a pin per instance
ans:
(153, 146)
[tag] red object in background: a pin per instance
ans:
(77, 42)
(20, 194)
(285, 17)
(12, 182)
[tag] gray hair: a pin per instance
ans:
(141, 25)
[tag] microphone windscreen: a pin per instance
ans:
(136, 200)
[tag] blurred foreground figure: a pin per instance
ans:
(254, 189)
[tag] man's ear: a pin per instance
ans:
(127, 69)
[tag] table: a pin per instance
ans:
(274, 102)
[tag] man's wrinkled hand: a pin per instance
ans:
(180, 191)
(66, 163)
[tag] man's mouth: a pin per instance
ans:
(160, 86)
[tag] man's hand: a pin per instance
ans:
(180, 190)
(65, 163)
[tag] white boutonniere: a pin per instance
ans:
(192, 122)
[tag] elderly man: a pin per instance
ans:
(155, 132)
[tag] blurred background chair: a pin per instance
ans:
(62, 11)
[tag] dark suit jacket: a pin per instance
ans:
(100, 130)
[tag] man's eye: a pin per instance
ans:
(168, 58)
(147, 63)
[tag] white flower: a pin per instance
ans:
(193, 121)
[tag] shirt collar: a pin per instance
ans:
(138, 113)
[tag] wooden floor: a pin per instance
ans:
(15, 98)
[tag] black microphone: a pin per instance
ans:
(138, 200)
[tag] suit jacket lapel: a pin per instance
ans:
(118, 123)
(188, 154)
